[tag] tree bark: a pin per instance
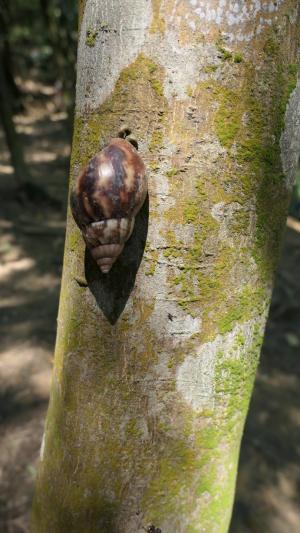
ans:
(14, 145)
(7, 89)
(7, 59)
(146, 415)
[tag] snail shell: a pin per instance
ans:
(109, 193)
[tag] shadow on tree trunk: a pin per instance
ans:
(112, 290)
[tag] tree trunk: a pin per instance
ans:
(146, 415)
(8, 89)
(44, 7)
(14, 145)
(7, 60)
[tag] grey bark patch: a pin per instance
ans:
(195, 378)
(233, 16)
(112, 35)
(290, 138)
(183, 64)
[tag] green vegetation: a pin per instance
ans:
(238, 58)
(172, 172)
(37, 48)
(242, 125)
(91, 36)
(210, 68)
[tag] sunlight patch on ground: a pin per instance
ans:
(35, 87)
(27, 130)
(47, 282)
(25, 369)
(294, 224)
(42, 157)
(16, 266)
(13, 301)
(6, 169)
(282, 497)
(56, 117)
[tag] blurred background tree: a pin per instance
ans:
(38, 40)
(40, 37)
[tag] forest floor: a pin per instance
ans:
(31, 251)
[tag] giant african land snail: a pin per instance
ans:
(108, 194)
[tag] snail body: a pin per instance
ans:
(108, 194)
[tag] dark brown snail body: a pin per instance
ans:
(109, 193)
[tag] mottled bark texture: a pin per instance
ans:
(146, 416)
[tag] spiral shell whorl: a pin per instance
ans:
(106, 240)
(109, 193)
(106, 254)
(110, 231)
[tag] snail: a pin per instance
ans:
(108, 194)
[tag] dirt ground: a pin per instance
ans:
(31, 248)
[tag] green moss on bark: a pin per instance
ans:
(249, 123)
(139, 85)
(91, 36)
(158, 24)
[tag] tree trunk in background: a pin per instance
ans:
(59, 31)
(6, 54)
(146, 416)
(44, 7)
(14, 145)
(9, 91)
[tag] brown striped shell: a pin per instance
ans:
(109, 193)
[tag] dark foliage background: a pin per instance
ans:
(38, 40)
